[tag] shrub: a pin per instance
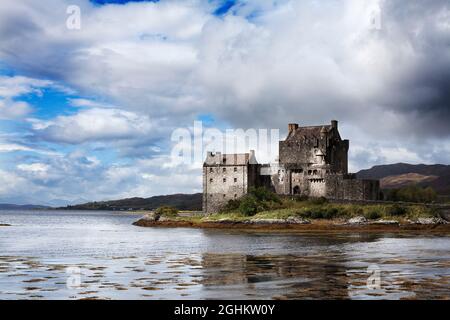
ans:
(412, 194)
(249, 205)
(319, 201)
(357, 211)
(373, 215)
(167, 211)
(313, 213)
(330, 213)
(264, 195)
(301, 198)
(396, 210)
(316, 214)
(231, 205)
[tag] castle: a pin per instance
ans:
(313, 162)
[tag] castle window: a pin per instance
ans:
(235, 169)
(210, 180)
(224, 170)
(224, 179)
(235, 195)
(210, 170)
(315, 172)
(235, 179)
(224, 195)
(309, 172)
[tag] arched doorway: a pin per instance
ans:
(296, 190)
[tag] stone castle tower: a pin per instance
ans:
(313, 161)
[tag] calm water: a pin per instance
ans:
(76, 255)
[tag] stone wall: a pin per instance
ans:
(345, 187)
(222, 183)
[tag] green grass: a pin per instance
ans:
(316, 209)
(312, 210)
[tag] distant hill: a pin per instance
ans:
(401, 174)
(8, 206)
(180, 201)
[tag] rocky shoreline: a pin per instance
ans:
(298, 224)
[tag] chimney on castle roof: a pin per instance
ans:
(292, 127)
(334, 124)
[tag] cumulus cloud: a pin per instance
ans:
(78, 177)
(295, 60)
(382, 67)
(93, 125)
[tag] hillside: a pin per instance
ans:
(402, 174)
(8, 206)
(180, 201)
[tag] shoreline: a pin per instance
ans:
(325, 226)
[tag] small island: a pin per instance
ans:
(263, 210)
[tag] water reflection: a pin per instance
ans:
(278, 277)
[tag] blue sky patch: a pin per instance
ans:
(225, 7)
(50, 104)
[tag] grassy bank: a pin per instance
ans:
(261, 209)
(318, 209)
(315, 210)
(326, 217)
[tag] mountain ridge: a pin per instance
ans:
(10, 206)
(181, 201)
(397, 175)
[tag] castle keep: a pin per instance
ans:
(313, 162)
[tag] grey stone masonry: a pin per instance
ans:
(313, 161)
(227, 177)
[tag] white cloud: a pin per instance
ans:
(13, 110)
(9, 147)
(93, 125)
(14, 87)
(160, 65)
(34, 167)
(14, 147)
(86, 103)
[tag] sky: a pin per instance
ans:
(88, 109)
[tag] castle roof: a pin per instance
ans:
(310, 132)
(232, 159)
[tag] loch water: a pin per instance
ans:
(101, 255)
